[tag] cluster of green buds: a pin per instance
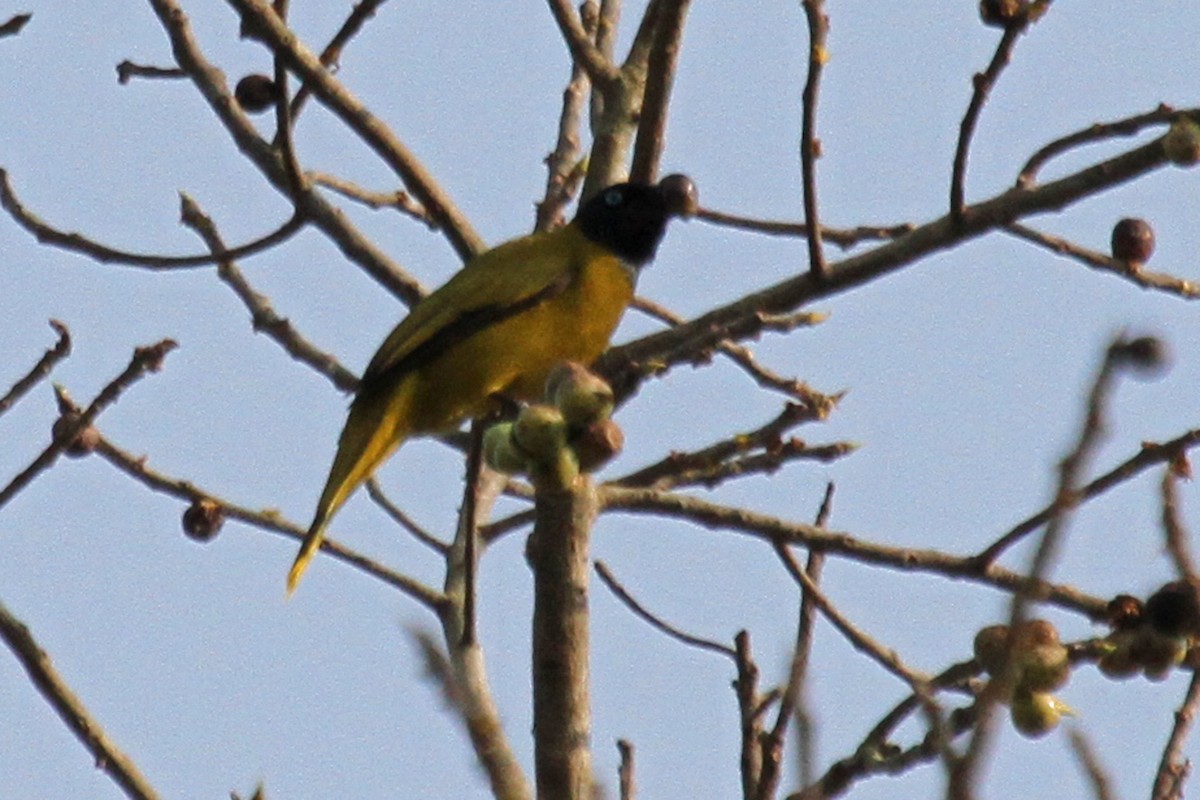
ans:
(1153, 637)
(1033, 662)
(553, 442)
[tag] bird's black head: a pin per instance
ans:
(630, 218)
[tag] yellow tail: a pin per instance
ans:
(375, 428)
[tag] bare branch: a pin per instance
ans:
(844, 238)
(405, 521)
(660, 77)
(600, 70)
(810, 145)
(60, 350)
(331, 55)
(1173, 768)
(1129, 126)
(655, 622)
(1090, 762)
(628, 789)
(400, 200)
(13, 25)
(1148, 456)
(145, 359)
(128, 70)
(106, 755)
(262, 314)
(769, 529)
(77, 243)
(1129, 270)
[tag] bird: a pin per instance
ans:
(496, 329)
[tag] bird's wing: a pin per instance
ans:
(492, 287)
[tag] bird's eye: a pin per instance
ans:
(613, 198)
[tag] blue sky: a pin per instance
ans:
(966, 374)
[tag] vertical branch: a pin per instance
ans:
(983, 83)
(810, 146)
(1173, 768)
(558, 555)
(746, 687)
(660, 77)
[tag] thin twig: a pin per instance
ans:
(332, 53)
(145, 359)
(60, 350)
(267, 519)
(400, 200)
(105, 754)
(1173, 528)
(563, 172)
(262, 314)
(622, 594)
(1099, 131)
(810, 145)
(628, 788)
(791, 705)
(845, 238)
(706, 463)
(742, 355)
(963, 777)
(1149, 455)
(210, 82)
(368, 127)
(885, 657)
(392, 510)
(77, 243)
(762, 526)
(1088, 759)
(128, 70)
(983, 83)
(584, 52)
(1130, 271)
(1173, 767)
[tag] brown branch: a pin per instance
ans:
(403, 520)
(761, 526)
(60, 350)
(77, 243)
(1173, 767)
(210, 82)
(1129, 270)
(332, 53)
(128, 70)
(562, 164)
(742, 356)
(660, 77)
(844, 238)
(145, 359)
(625, 367)
(1090, 762)
(105, 753)
(963, 777)
(628, 789)
(1099, 131)
(584, 52)
(810, 145)
(858, 639)
(1176, 534)
(983, 83)
(1149, 455)
(558, 554)
(13, 25)
(699, 466)
(750, 721)
(791, 704)
(659, 624)
(369, 128)
(262, 314)
(268, 520)
(400, 200)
